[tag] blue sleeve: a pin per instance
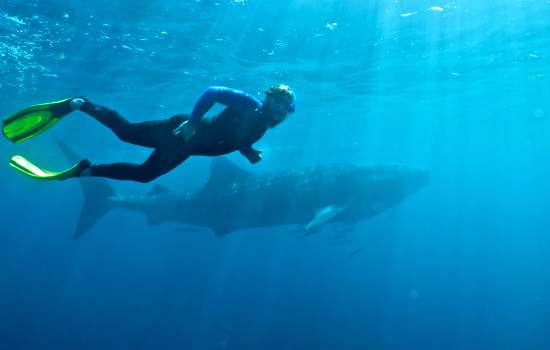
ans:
(235, 99)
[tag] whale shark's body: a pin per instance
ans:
(234, 199)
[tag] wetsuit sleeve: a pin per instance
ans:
(235, 99)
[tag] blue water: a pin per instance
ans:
(458, 87)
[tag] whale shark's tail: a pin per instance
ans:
(96, 194)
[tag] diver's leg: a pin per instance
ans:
(159, 163)
(151, 134)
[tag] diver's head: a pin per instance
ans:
(279, 102)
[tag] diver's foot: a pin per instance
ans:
(84, 168)
(76, 103)
(81, 169)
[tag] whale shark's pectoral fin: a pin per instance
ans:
(324, 215)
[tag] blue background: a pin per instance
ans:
(458, 87)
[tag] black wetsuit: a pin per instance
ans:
(229, 131)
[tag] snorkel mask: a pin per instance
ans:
(283, 96)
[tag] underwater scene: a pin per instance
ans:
(267, 174)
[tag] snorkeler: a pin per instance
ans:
(242, 123)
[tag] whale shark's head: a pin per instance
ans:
(406, 179)
(383, 186)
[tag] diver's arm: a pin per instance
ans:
(235, 99)
(253, 156)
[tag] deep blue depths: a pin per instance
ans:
(458, 87)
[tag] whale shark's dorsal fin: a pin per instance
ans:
(157, 190)
(224, 172)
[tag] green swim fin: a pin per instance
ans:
(29, 169)
(34, 120)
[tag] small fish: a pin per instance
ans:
(414, 294)
(355, 252)
(331, 25)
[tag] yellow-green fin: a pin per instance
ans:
(34, 120)
(26, 167)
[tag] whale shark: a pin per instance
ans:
(235, 199)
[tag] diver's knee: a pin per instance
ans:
(125, 132)
(146, 177)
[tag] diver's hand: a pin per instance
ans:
(186, 130)
(254, 156)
